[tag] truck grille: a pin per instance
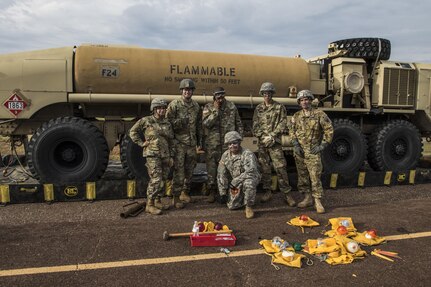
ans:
(399, 87)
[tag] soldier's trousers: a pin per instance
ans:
(309, 168)
(185, 163)
(276, 155)
(246, 195)
(212, 158)
(158, 171)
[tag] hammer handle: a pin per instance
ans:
(183, 234)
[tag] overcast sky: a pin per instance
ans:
(265, 27)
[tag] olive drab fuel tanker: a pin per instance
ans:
(77, 103)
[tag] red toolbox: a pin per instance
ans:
(220, 239)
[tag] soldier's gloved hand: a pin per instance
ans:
(297, 149)
(318, 148)
(217, 104)
(268, 141)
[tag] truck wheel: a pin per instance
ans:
(365, 48)
(348, 149)
(67, 150)
(395, 146)
(132, 160)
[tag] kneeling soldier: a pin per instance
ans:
(238, 175)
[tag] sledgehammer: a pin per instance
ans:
(167, 236)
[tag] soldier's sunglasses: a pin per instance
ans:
(234, 143)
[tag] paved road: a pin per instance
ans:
(88, 244)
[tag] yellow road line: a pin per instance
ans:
(408, 236)
(162, 260)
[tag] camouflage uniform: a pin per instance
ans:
(240, 170)
(309, 130)
(216, 123)
(186, 120)
(270, 121)
(157, 148)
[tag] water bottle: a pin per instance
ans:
(195, 229)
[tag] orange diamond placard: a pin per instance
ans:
(15, 104)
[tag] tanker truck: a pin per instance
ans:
(77, 103)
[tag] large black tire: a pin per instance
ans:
(348, 150)
(365, 48)
(395, 146)
(132, 160)
(67, 150)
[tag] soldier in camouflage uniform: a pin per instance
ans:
(238, 175)
(218, 118)
(269, 123)
(311, 131)
(158, 149)
(186, 118)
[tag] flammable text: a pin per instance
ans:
(202, 70)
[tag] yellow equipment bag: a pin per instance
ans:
(271, 248)
(345, 257)
(362, 239)
(295, 262)
(342, 241)
(319, 246)
(341, 221)
(301, 223)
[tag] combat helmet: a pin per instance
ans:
(187, 83)
(158, 103)
(232, 136)
(267, 87)
(219, 91)
(304, 94)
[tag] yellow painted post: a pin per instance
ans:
(334, 178)
(361, 179)
(131, 188)
(274, 183)
(388, 177)
(412, 176)
(91, 191)
(4, 194)
(204, 190)
(48, 192)
(168, 188)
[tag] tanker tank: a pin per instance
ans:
(132, 70)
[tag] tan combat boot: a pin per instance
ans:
(159, 204)
(249, 213)
(184, 196)
(151, 209)
(267, 196)
(289, 200)
(307, 201)
(177, 203)
(318, 205)
(211, 197)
